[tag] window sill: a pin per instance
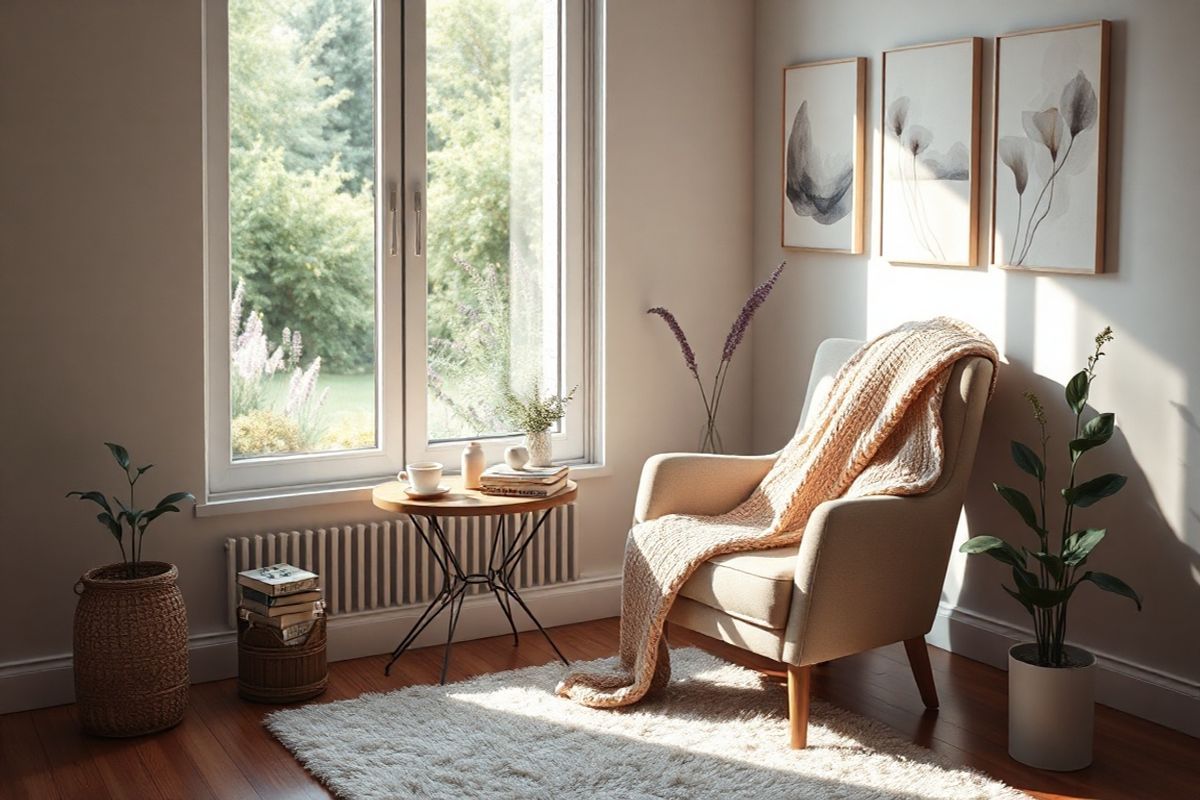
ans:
(329, 494)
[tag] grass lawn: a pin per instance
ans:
(348, 394)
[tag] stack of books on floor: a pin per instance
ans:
(282, 597)
(502, 479)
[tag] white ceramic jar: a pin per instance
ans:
(473, 463)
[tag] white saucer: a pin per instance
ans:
(414, 494)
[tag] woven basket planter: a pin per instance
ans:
(131, 657)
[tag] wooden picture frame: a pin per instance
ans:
(1045, 77)
(929, 156)
(824, 156)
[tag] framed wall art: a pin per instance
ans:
(929, 175)
(823, 155)
(1050, 148)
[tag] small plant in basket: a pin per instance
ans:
(129, 516)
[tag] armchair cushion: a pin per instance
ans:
(755, 586)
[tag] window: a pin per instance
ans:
(396, 207)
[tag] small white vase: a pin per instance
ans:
(540, 452)
(473, 463)
(1051, 709)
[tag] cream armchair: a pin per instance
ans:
(868, 572)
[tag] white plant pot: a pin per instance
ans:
(541, 454)
(1051, 709)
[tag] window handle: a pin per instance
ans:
(419, 219)
(393, 248)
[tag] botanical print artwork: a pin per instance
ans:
(1050, 143)
(930, 153)
(822, 156)
(821, 188)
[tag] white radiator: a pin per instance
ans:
(377, 565)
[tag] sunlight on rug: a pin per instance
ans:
(718, 731)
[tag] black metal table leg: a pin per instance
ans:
(509, 564)
(507, 550)
(454, 585)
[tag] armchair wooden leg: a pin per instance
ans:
(918, 660)
(798, 690)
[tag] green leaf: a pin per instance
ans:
(1028, 461)
(175, 497)
(120, 454)
(140, 470)
(1077, 391)
(1053, 564)
(95, 497)
(1080, 544)
(1110, 583)
(113, 526)
(995, 547)
(1020, 502)
(1099, 428)
(1016, 596)
(1036, 595)
(1095, 490)
(1095, 433)
(155, 513)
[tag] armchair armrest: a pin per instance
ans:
(869, 572)
(696, 483)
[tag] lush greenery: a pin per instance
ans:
(534, 412)
(1045, 579)
(301, 171)
(302, 197)
(130, 517)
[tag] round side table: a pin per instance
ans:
(503, 559)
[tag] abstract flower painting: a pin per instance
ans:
(823, 149)
(1050, 149)
(929, 175)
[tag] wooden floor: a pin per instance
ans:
(221, 749)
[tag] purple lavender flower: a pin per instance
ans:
(689, 357)
(756, 299)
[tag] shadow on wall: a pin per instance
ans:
(1140, 542)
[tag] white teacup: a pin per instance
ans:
(423, 476)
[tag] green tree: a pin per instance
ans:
(346, 29)
(305, 249)
(301, 224)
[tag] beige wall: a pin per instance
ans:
(1042, 324)
(101, 231)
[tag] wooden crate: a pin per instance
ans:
(271, 672)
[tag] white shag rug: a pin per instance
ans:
(719, 731)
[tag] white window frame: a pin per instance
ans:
(400, 277)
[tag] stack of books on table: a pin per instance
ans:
(282, 597)
(502, 479)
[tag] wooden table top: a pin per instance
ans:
(462, 502)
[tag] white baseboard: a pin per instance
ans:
(49, 681)
(1136, 689)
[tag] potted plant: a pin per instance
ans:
(535, 415)
(1050, 683)
(130, 648)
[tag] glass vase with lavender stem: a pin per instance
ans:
(711, 397)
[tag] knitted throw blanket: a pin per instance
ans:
(877, 432)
